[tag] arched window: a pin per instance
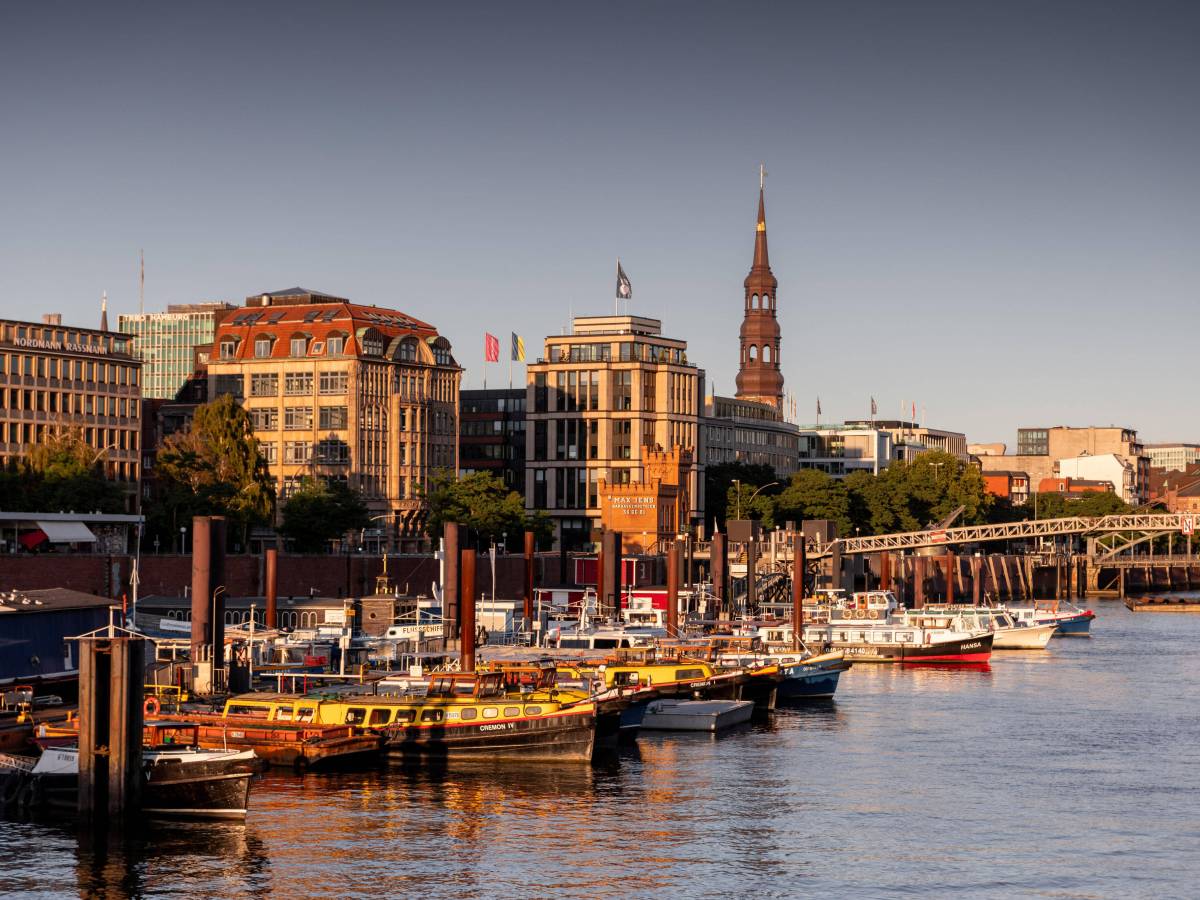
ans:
(408, 350)
(767, 353)
(754, 301)
(766, 301)
(753, 353)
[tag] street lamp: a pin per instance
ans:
(751, 497)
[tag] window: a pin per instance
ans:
(269, 451)
(408, 350)
(533, 710)
(297, 383)
(333, 451)
(264, 419)
(356, 715)
(228, 384)
(297, 452)
(491, 712)
(622, 439)
(298, 346)
(511, 711)
(623, 390)
(432, 715)
(228, 349)
(378, 717)
(406, 715)
(263, 346)
(263, 385)
(469, 714)
(297, 417)
(333, 382)
(335, 345)
(333, 417)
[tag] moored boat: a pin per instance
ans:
(696, 715)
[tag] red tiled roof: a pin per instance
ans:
(318, 321)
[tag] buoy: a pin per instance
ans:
(151, 707)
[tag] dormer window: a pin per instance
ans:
(408, 350)
(299, 346)
(228, 349)
(263, 346)
(335, 344)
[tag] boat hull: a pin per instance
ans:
(1032, 637)
(802, 683)
(567, 736)
(696, 715)
(1076, 626)
(964, 650)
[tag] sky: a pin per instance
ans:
(991, 210)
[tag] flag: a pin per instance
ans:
(624, 288)
(518, 348)
(818, 406)
(491, 348)
(914, 415)
(873, 409)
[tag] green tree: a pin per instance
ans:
(64, 473)
(481, 503)
(811, 494)
(214, 467)
(320, 511)
(719, 490)
(1053, 505)
(910, 496)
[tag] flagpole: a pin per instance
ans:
(616, 297)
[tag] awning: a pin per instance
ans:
(67, 532)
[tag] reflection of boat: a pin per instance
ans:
(177, 781)
(460, 715)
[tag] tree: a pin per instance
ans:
(718, 484)
(320, 511)
(481, 503)
(214, 467)
(64, 473)
(812, 494)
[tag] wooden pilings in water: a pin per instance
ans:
(111, 675)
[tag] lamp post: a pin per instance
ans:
(182, 539)
(752, 496)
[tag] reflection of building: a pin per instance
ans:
(1173, 457)
(55, 378)
(355, 393)
(596, 399)
(166, 342)
(749, 432)
(492, 434)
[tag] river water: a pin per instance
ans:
(1073, 772)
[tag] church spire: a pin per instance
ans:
(759, 377)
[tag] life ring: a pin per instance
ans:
(151, 707)
(874, 613)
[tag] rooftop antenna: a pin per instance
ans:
(142, 282)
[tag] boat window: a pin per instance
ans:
(685, 674)
(490, 712)
(904, 636)
(432, 715)
(511, 711)
(379, 717)
(356, 715)
(625, 679)
(306, 714)
(406, 715)
(247, 709)
(886, 636)
(572, 644)
(605, 643)
(283, 714)
(533, 710)
(469, 714)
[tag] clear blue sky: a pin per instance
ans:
(992, 209)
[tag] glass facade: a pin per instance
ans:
(165, 342)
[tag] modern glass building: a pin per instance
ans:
(166, 343)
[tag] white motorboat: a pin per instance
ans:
(696, 715)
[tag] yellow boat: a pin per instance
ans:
(461, 715)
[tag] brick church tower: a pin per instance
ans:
(758, 377)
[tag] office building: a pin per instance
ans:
(746, 431)
(492, 434)
(596, 400)
(344, 391)
(166, 343)
(1172, 457)
(56, 378)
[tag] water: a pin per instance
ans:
(1066, 773)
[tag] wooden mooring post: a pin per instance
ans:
(111, 675)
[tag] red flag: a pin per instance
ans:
(491, 348)
(914, 415)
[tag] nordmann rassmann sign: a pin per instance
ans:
(61, 347)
